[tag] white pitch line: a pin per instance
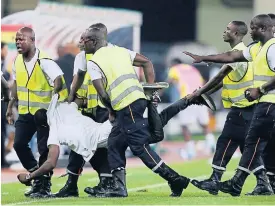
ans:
(129, 190)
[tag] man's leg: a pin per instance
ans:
(255, 142)
(100, 163)
(74, 169)
(42, 127)
(232, 136)
(269, 161)
(24, 130)
(137, 133)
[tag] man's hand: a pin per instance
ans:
(71, 98)
(197, 58)
(9, 115)
(193, 96)
(23, 179)
(252, 94)
(112, 117)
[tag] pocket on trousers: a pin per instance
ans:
(142, 124)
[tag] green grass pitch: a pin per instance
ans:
(144, 188)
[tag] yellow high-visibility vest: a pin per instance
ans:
(122, 84)
(236, 82)
(34, 92)
(262, 71)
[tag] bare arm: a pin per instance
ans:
(77, 82)
(57, 84)
(214, 82)
(148, 68)
(5, 89)
(227, 57)
(216, 88)
(50, 163)
(104, 97)
(270, 85)
(14, 97)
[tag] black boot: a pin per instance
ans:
(70, 189)
(212, 184)
(176, 182)
(118, 186)
(234, 185)
(263, 186)
(45, 188)
(36, 185)
(272, 181)
(103, 185)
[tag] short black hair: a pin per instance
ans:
(3, 44)
(263, 20)
(272, 16)
(241, 27)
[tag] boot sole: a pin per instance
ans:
(262, 194)
(109, 195)
(232, 194)
(209, 102)
(212, 192)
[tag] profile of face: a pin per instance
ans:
(230, 32)
(81, 42)
(89, 43)
(4, 52)
(24, 42)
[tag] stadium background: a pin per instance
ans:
(161, 30)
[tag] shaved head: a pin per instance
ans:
(101, 27)
(263, 21)
(94, 39)
(27, 31)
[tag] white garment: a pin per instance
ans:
(69, 127)
(270, 56)
(194, 114)
(48, 66)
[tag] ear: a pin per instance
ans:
(263, 29)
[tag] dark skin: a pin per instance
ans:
(259, 32)
(5, 89)
(94, 39)
(25, 44)
(233, 37)
(93, 42)
(52, 158)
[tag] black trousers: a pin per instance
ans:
(3, 131)
(232, 136)
(132, 130)
(269, 154)
(25, 127)
(100, 159)
(258, 135)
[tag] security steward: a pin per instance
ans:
(116, 82)
(94, 109)
(262, 55)
(235, 78)
(36, 79)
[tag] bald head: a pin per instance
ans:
(27, 31)
(101, 27)
(94, 39)
(95, 34)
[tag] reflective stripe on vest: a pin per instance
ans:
(125, 93)
(262, 71)
(238, 86)
(235, 99)
(119, 80)
(33, 104)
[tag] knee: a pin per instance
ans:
(40, 117)
(137, 150)
(19, 145)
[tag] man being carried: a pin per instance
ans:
(67, 123)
